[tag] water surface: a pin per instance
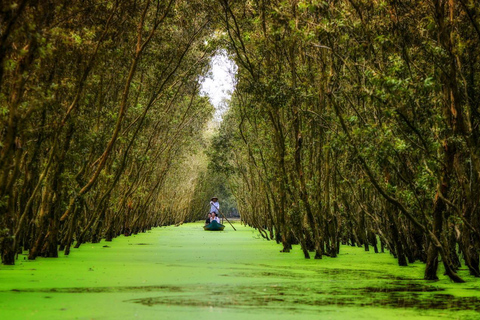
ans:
(187, 273)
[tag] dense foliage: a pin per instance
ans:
(353, 121)
(100, 117)
(356, 121)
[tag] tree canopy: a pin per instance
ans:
(353, 122)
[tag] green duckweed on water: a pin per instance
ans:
(187, 273)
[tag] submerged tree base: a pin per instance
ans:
(186, 273)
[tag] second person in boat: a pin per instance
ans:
(215, 218)
(209, 219)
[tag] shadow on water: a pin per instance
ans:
(307, 291)
(296, 297)
(292, 297)
(302, 294)
(103, 289)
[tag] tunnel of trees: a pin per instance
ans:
(353, 122)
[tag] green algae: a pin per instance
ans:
(187, 273)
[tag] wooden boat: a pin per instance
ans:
(214, 226)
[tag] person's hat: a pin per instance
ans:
(214, 198)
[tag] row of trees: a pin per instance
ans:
(100, 119)
(353, 121)
(357, 121)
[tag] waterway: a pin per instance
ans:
(186, 273)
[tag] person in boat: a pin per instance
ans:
(215, 218)
(214, 206)
(209, 219)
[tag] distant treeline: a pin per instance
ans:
(357, 121)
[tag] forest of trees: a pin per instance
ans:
(357, 121)
(100, 119)
(353, 122)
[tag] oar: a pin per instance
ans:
(224, 216)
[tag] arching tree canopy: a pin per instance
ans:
(357, 121)
(353, 121)
(100, 118)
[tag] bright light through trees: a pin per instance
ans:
(220, 82)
